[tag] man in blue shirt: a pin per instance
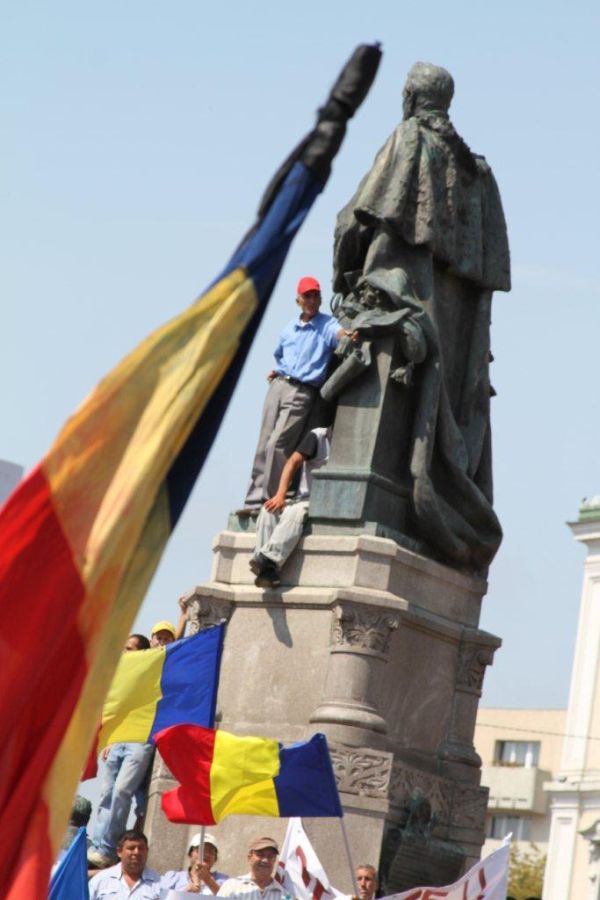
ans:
(302, 356)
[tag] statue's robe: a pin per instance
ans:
(426, 226)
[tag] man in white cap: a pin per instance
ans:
(259, 883)
(199, 877)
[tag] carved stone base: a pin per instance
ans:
(378, 648)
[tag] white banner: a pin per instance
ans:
(302, 875)
(299, 869)
(485, 881)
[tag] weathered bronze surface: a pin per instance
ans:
(418, 252)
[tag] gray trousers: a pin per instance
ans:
(285, 413)
(278, 533)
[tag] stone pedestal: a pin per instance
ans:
(363, 489)
(378, 648)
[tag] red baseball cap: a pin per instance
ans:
(308, 284)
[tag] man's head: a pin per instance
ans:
(262, 856)
(132, 850)
(211, 851)
(428, 88)
(308, 297)
(80, 811)
(366, 879)
(163, 633)
(137, 642)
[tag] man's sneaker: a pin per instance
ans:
(97, 860)
(268, 578)
(260, 562)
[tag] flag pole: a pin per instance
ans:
(201, 847)
(349, 855)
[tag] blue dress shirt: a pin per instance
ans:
(305, 348)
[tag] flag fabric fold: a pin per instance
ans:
(221, 774)
(70, 879)
(82, 535)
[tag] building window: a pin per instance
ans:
(517, 753)
(500, 826)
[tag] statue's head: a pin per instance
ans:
(427, 88)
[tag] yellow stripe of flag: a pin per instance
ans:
(238, 763)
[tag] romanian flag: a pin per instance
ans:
(81, 537)
(154, 689)
(222, 775)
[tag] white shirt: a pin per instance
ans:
(319, 438)
(244, 885)
(110, 883)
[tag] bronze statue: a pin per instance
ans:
(418, 251)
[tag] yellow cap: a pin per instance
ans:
(163, 626)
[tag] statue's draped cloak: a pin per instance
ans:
(426, 227)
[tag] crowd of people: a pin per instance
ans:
(131, 877)
(293, 443)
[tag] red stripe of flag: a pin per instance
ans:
(43, 660)
(188, 750)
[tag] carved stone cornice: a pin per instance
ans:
(362, 629)
(204, 611)
(472, 662)
(362, 771)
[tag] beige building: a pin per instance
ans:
(520, 751)
(542, 766)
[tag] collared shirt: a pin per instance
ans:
(110, 883)
(178, 881)
(305, 348)
(244, 885)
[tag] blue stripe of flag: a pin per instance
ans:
(306, 784)
(262, 255)
(190, 680)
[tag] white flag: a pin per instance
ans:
(302, 875)
(299, 869)
(487, 880)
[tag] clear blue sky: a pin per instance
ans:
(136, 140)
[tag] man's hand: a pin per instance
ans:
(353, 335)
(276, 503)
(271, 376)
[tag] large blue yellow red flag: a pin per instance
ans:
(81, 537)
(221, 774)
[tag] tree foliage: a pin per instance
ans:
(526, 873)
